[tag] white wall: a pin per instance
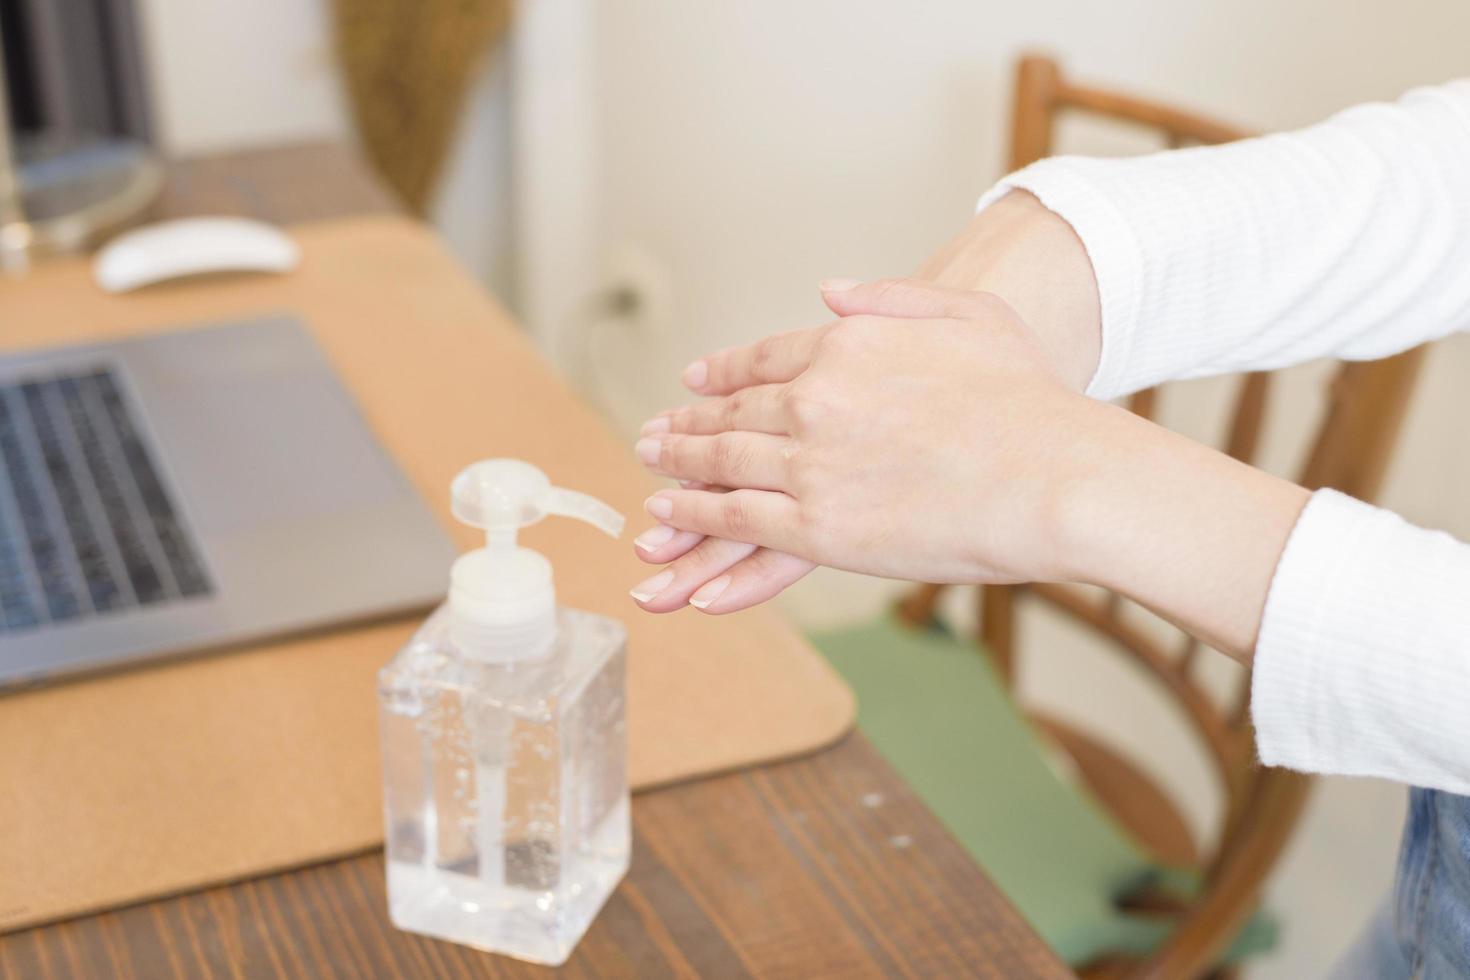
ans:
(227, 74)
(754, 148)
(749, 150)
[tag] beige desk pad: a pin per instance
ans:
(166, 778)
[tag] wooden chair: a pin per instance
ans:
(1351, 450)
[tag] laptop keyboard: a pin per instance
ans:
(87, 527)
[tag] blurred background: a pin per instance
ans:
(643, 181)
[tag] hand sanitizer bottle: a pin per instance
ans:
(505, 784)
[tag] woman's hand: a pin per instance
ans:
(932, 446)
(946, 448)
(1015, 248)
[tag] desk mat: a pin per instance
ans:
(161, 779)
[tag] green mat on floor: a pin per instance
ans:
(934, 706)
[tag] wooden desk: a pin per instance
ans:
(824, 866)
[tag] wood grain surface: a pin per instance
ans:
(825, 866)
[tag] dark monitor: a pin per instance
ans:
(77, 137)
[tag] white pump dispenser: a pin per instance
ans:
(502, 601)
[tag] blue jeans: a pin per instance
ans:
(1424, 930)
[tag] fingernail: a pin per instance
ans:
(650, 588)
(709, 592)
(660, 508)
(839, 285)
(655, 426)
(648, 451)
(695, 375)
(655, 537)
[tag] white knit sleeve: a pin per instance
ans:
(1350, 238)
(1363, 663)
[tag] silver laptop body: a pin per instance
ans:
(192, 489)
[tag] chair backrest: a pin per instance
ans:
(1350, 452)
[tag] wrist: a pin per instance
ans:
(1031, 258)
(1178, 527)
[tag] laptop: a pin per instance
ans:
(192, 489)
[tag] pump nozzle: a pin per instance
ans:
(504, 495)
(501, 597)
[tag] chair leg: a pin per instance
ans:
(998, 628)
(917, 607)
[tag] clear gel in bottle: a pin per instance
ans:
(505, 787)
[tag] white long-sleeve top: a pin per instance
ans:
(1352, 239)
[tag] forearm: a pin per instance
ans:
(1178, 527)
(1356, 623)
(1344, 239)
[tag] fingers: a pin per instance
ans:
(661, 544)
(777, 358)
(671, 588)
(782, 357)
(904, 298)
(754, 516)
(755, 409)
(750, 581)
(732, 459)
(720, 577)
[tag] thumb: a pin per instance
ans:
(902, 298)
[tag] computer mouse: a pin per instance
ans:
(190, 246)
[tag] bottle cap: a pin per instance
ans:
(501, 599)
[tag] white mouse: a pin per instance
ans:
(190, 246)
